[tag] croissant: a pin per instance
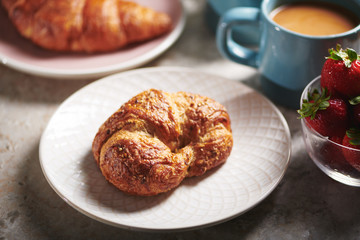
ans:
(156, 139)
(85, 25)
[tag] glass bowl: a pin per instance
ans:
(325, 153)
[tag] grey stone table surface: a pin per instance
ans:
(305, 205)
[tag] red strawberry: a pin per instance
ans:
(355, 102)
(332, 155)
(356, 114)
(329, 117)
(341, 73)
(352, 151)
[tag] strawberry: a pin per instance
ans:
(331, 154)
(341, 73)
(352, 151)
(328, 117)
(355, 103)
(356, 114)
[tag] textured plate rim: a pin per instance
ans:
(168, 229)
(100, 71)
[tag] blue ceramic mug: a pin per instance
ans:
(287, 60)
(247, 35)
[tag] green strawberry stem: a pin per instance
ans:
(355, 100)
(348, 55)
(354, 135)
(315, 102)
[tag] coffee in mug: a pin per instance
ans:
(314, 18)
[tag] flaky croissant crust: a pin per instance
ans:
(85, 25)
(157, 139)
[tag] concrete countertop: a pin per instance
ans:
(305, 205)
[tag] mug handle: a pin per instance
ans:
(226, 44)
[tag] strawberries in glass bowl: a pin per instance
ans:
(330, 117)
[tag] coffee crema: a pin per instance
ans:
(316, 19)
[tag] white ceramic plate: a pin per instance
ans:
(256, 165)
(19, 53)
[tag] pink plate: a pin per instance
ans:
(21, 54)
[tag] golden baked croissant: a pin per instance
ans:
(157, 139)
(85, 25)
